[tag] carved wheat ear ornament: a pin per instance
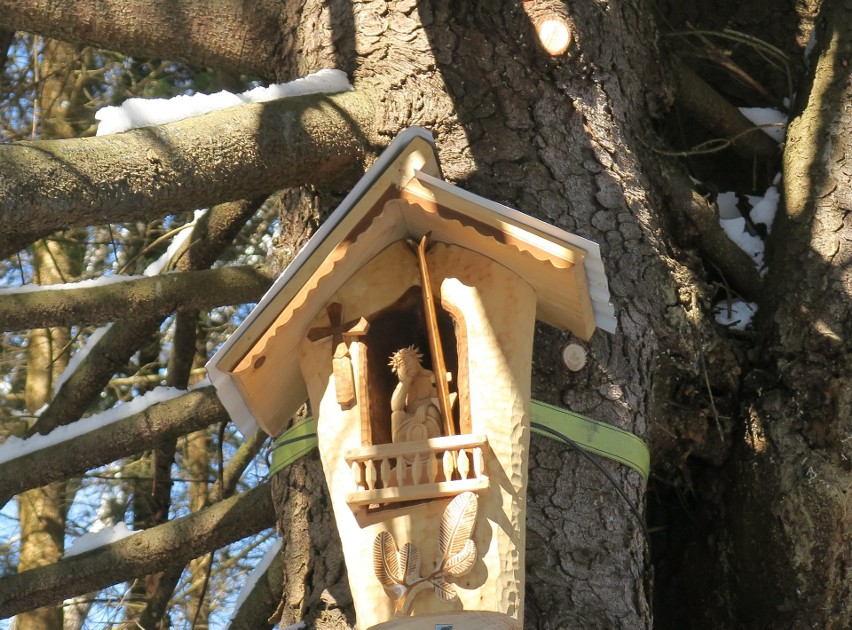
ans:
(398, 570)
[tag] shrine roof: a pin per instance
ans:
(403, 196)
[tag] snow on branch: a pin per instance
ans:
(144, 112)
(261, 568)
(164, 413)
(240, 153)
(94, 539)
(16, 448)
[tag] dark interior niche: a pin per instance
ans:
(401, 325)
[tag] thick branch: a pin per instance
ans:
(157, 295)
(226, 155)
(224, 34)
(148, 551)
(141, 431)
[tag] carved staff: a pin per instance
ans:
(439, 365)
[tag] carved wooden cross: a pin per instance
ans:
(341, 335)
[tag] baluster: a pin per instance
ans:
(433, 467)
(358, 475)
(385, 470)
(400, 472)
(448, 465)
(478, 463)
(415, 470)
(371, 474)
(463, 464)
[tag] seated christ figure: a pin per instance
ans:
(414, 414)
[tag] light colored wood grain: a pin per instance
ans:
(554, 269)
(498, 323)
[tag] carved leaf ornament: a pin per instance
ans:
(398, 570)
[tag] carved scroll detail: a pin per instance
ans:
(398, 570)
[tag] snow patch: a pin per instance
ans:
(763, 209)
(178, 240)
(734, 314)
(774, 120)
(66, 286)
(78, 357)
(727, 204)
(750, 244)
(256, 574)
(15, 447)
(762, 212)
(94, 539)
(141, 112)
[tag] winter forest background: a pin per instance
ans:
(128, 258)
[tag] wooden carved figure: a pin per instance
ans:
(414, 410)
(428, 487)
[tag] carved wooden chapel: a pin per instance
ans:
(407, 321)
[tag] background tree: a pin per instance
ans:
(749, 430)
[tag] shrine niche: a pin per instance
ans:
(407, 322)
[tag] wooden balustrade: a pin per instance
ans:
(411, 471)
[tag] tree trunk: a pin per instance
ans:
(42, 510)
(789, 514)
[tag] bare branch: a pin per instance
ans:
(157, 295)
(717, 114)
(148, 551)
(226, 155)
(138, 432)
(221, 34)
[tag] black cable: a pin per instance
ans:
(546, 429)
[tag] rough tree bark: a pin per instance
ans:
(788, 517)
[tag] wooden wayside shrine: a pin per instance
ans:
(407, 322)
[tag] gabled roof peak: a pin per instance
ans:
(402, 196)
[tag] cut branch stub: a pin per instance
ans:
(554, 35)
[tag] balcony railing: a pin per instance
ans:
(413, 471)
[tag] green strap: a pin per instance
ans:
(298, 440)
(553, 422)
(593, 436)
